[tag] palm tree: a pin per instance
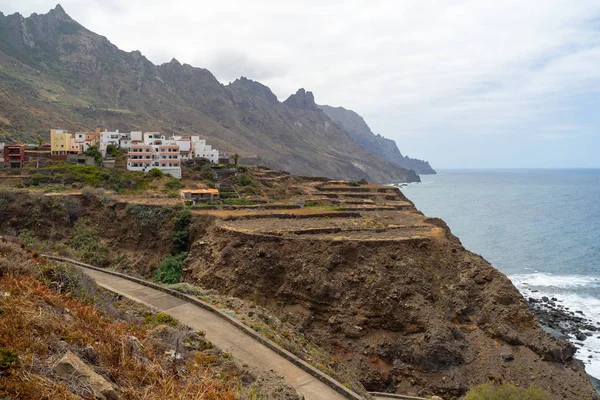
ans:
(235, 157)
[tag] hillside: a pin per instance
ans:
(56, 73)
(379, 290)
(359, 131)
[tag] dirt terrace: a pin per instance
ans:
(368, 212)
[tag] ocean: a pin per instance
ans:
(539, 227)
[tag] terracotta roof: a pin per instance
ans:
(200, 191)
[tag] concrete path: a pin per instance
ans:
(222, 334)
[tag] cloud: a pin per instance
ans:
(419, 71)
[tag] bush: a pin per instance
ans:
(170, 269)
(363, 181)
(161, 319)
(28, 238)
(353, 184)
(246, 180)
(8, 360)
(87, 243)
(173, 184)
(156, 173)
(94, 152)
(491, 391)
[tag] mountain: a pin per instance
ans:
(55, 73)
(359, 131)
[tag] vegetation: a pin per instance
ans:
(238, 202)
(161, 319)
(72, 174)
(492, 391)
(170, 269)
(113, 151)
(147, 216)
(93, 151)
(181, 235)
(236, 158)
(42, 318)
(86, 242)
(156, 173)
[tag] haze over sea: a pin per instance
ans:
(539, 227)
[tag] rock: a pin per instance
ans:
(508, 357)
(532, 300)
(580, 336)
(73, 367)
(545, 299)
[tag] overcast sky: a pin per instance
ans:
(459, 83)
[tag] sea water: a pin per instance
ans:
(539, 227)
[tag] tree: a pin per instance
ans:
(39, 142)
(94, 152)
(236, 158)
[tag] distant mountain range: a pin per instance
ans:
(54, 73)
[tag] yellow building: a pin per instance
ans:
(60, 144)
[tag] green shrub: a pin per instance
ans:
(172, 194)
(94, 152)
(9, 360)
(353, 183)
(86, 242)
(182, 219)
(239, 202)
(161, 319)
(147, 216)
(156, 173)
(170, 269)
(69, 280)
(246, 180)
(173, 184)
(491, 391)
(36, 179)
(363, 181)
(28, 238)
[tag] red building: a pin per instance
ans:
(14, 156)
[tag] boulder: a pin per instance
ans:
(72, 367)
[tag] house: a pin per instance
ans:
(154, 152)
(201, 150)
(87, 140)
(14, 156)
(61, 143)
(117, 139)
(199, 195)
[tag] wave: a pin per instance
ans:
(565, 288)
(546, 280)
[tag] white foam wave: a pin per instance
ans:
(541, 280)
(540, 284)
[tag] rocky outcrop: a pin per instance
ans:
(302, 99)
(416, 317)
(360, 132)
(71, 367)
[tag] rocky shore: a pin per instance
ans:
(565, 323)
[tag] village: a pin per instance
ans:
(143, 151)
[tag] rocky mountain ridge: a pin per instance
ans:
(54, 73)
(360, 132)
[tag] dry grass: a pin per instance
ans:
(39, 325)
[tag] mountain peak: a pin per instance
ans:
(302, 99)
(254, 88)
(59, 13)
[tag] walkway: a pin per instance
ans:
(239, 341)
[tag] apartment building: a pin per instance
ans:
(154, 151)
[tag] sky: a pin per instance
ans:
(463, 84)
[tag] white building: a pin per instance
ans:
(202, 150)
(118, 139)
(154, 151)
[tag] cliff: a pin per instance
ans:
(54, 73)
(360, 132)
(357, 271)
